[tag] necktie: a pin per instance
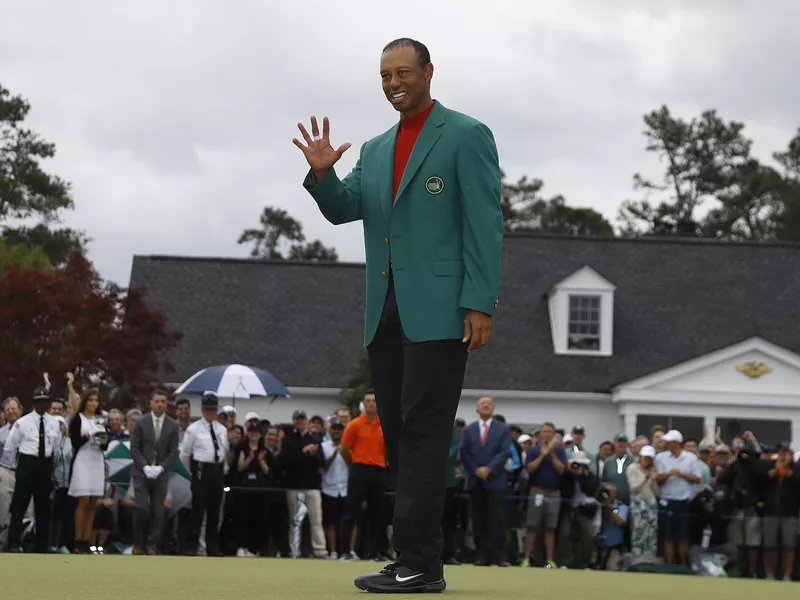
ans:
(485, 433)
(216, 443)
(158, 428)
(41, 436)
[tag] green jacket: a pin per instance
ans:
(451, 461)
(611, 474)
(444, 231)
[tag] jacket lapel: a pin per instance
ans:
(430, 134)
(386, 169)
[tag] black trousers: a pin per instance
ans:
(449, 523)
(488, 522)
(417, 388)
(34, 479)
(365, 482)
(64, 507)
(207, 483)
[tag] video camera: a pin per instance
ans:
(603, 495)
(748, 454)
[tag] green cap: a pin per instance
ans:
(621, 437)
(535, 432)
(703, 449)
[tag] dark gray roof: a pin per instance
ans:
(676, 299)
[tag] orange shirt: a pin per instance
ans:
(365, 440)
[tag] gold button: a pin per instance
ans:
(386, 241)
(384, 275)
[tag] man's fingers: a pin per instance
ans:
(299, 144)
(467, 330)
(314, 127)
(302, 129)
(342, 149)
(326, 128)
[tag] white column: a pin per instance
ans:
(630, 425)
(796, 434)
(710, 424)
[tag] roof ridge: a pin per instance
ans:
(650, 239)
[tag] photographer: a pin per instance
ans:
(741, 481)
(709, 527)
(577, 526)
(781, 506)
(613, 520)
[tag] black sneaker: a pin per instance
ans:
(398, 579)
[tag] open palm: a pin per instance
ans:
(318, 151)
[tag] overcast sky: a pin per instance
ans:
(173, 119)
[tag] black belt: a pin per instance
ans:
(207, 465)
(34, 457)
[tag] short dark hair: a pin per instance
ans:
(422, 50)
(367, 392)
(159, 392)
(691, 439)
(182, 401)
(547, 424)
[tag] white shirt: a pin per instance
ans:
(334, 480)
(9, 461)
(197, 442)
(24, 435)
(676, 487)
(484, 426)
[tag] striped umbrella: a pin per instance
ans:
(234, 381)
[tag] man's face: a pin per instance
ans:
(657, 443)
(485, 407)
(271, 439)
(343, 416)
(300, 423)
(690, 446)
(370, 406)
(406, 83)
(315, 427)
(705, 457)
(183, 412)
(132, 421)
(722, 459)
(114, 422)
(606, 450)
(57, 409)
(578, 437)
(546, 434)
(336, 434)
(158, 404)
(621, 448)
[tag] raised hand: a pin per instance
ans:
(319, 153)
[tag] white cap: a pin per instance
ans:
(60, 419)
(229, 409)
(568, 439)
(524, 438)
(251, 415)
(648, 451)
(581, 457)
(673, 435)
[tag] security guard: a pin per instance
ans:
(34, 436)
(205, 445)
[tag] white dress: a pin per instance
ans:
(88, 470)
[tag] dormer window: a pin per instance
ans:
(584, 323)
(582, 314)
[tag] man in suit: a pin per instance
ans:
(485, 447)
(154, 448)
(428, 193)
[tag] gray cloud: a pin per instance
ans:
(174, 120)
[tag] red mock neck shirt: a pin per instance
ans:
(409, 132)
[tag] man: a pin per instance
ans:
(781, 507)
(8, 463)
(183, 415)
(616, 467)
(130, 418)
(428, 192)
(334, 489)
(34, 436)
(613, 524)
(363, 449)
(57, 406)
(677, 475)
(545, 464)
(485, 447)
(302, 460)
(116, 419)
(656, 433)
(154, 448)
(203, 451)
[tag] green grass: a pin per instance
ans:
(60, 577)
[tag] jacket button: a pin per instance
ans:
(386, 241)
(384, 274)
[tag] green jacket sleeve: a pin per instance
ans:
(338, 200)
(479, 181)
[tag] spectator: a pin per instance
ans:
(131, 417)
(638, 443)
(691, 445)
(741, 482)
(116, 420)
(64, 505)
(103, 522)
(604, 451)
(485, 447)
(677, 475)
(183, 415)
(704, 466)
(781, 507)
(302, 461)
(57, 406)
(363, 449)
(656, 433)
(278, 515)
(546, 464)
(579, 527)
(12, 409)
(89, 439)
(722, 459)
(615, 467)
(334, 489)
(578, 436)
(644, 503)
(252, 460)
(613, 522)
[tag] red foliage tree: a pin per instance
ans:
(70, 320)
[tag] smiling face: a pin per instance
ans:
(406, 82)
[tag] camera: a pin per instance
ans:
(603, 495)
(747, 454)
(575, 465)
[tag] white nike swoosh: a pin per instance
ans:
(403, 579)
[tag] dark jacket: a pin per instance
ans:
(301, 471)
(742, 484)
(782, 498)
(493, 453)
